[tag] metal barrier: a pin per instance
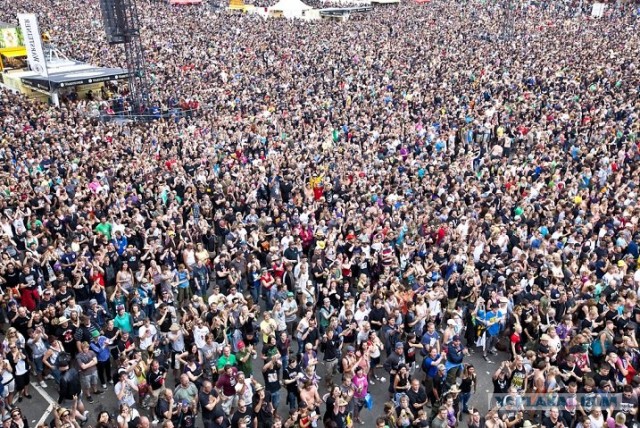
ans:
(177, 113)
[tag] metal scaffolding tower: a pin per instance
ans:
(508, 26)
(122, 26)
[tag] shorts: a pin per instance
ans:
(89, 380)
(9, 388)
(38, 365)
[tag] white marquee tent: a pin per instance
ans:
(290, 8)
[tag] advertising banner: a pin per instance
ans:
(33, 43)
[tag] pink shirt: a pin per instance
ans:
(361, 385)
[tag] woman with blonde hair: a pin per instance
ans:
(7, 379)
(20, 367)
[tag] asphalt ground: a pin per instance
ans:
(39, 407)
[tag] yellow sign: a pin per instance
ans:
(10, 37)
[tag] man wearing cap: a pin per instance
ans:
(394, 360)
(66, 332)
(125, 388)
(262, 407)
(100, 346)
(47, 300)
(455, 355)
(97, 314)
(187, 413)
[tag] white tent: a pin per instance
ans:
(290, 8)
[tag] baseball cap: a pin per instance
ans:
(399, 345)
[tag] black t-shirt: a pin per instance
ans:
(203, 398)
(63, 298)
(66, 336)
(155, 379)
(186, 418)
(247, 417)
(547, 423)
(12, 278)
(500, 386)
(378, 315)
(265, 413)
(289, 374)
(627, 404)
(271, 380)
(313, 336)
(518, 377)
(224, 423)
(161, 408)
(22, 325)
(419, 396)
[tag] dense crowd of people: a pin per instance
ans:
(349, 204)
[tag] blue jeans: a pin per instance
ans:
(254, 290)
(38, 365)
(292, 400)
(464, 400)
(275, 400)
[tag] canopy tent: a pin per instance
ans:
(342, 11)
(176, 2)
(69, 78)
(290, 8)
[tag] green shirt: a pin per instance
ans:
(105, 229)
(245, 367)
(123, 322)
(224, 360)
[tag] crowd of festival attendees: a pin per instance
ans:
(386, 200)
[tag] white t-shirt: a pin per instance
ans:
(146, 340)
(199, 335)
(127, 398)
(288, 306)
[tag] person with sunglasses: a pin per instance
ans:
(18, 420)
(20, 366)
(62, 418)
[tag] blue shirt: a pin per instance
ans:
(429, 339)
(488, 318)
(101, 349)
(183, 281)
(430, 368)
